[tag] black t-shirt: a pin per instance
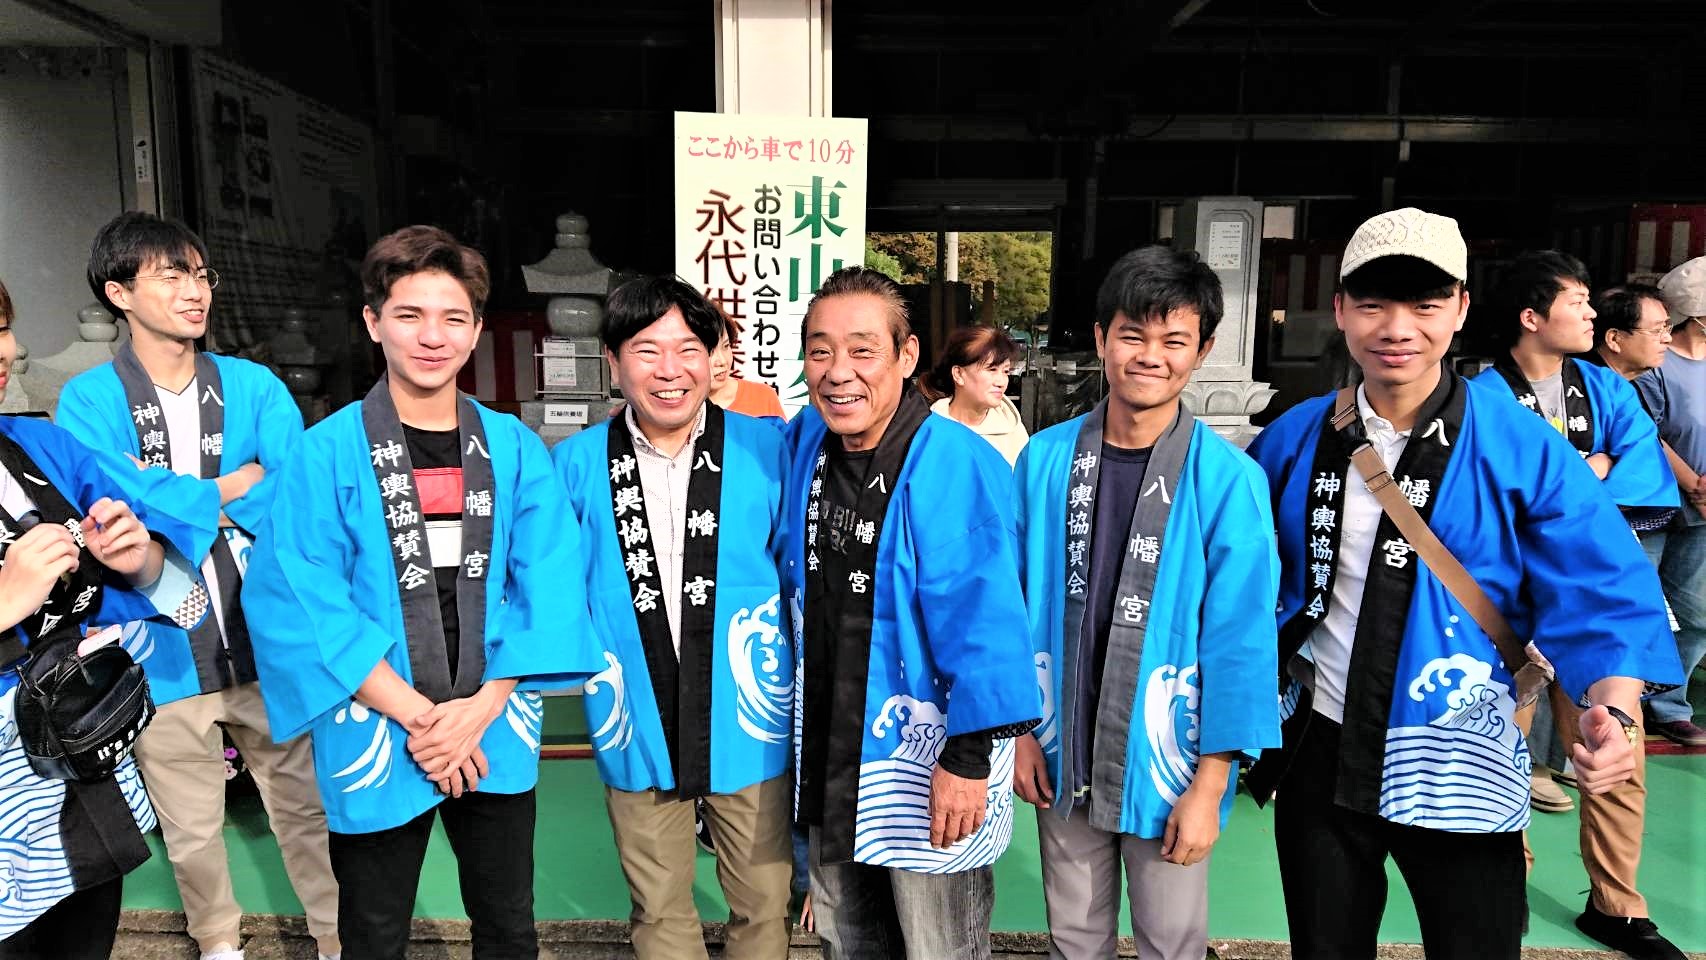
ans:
(438, 482)
(1119, 483)
(965, 755)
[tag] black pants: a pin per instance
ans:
(1469, 888)
(83, 926)
(378, 874)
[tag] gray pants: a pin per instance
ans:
(1081, 883)
(877, 913)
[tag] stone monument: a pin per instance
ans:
(1227, 232)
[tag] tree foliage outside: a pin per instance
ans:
(1019, 263)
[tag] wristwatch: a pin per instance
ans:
(1630, 729)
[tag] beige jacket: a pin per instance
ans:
(1002, 428)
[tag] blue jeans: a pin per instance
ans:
(1683, 573)
(877, 913)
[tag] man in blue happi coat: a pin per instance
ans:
(678, 503)
(411, 596)
(914, 665)
(1146, 540)
(1400, 739)
(1541, 316)
(230, 423)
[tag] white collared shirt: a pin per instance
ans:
(663, 481)
(1331, 641)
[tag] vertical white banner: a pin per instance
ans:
(766, 207)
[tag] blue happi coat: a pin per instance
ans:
(1208, 665)
(1549, 548)
(752, 663)
(262, 423)
(1640, 475)
(181, 515)
(322, 604)
(948, 622)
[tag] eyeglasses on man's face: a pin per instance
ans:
(207, 277)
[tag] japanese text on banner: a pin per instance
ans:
(766, 207)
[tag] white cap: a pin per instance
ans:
(1408, 233)
(1685, 290)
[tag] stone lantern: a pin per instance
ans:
(574, 382)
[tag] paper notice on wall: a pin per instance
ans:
(1225, 245)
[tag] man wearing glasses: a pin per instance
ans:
(229, 423)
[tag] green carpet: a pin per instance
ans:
(578, 876)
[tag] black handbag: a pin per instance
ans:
(79, 715)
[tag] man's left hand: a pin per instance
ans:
(957, 807)
(1193, 826)
(1605, 757)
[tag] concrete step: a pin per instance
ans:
(159, 935)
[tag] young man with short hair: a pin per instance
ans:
(1543, 315)
(230, 422)
(914, 666)
(1146, 540)
(678, 503)
(1676, 395)
(1399, 734)
(417, 589)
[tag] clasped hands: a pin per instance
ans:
(444, 740)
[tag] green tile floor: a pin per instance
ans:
(578, 876)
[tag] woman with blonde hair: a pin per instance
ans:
(969, 384)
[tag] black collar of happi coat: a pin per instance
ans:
(1383, 615)
(681, 681)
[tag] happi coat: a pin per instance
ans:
(247, 417)
(324, 598)
(948, 652)
(718, 717)
(57, 837)
(1428, 736)
(1603, 414)
(1195, 673)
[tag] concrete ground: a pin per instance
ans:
(158, 935)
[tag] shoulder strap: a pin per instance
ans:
(1450, 572)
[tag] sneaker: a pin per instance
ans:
(1545, 796)
(1684, 732)
(1567, 776)
(223, 951)
(1638, 937)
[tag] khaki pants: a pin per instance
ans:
(183, 765)
(755, 866)
(1611, 822)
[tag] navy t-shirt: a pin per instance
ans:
(1119, 484)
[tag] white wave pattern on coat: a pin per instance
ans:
(374, 764)
(525, 713)
(1172, 703)
(617, 730)
(764, 683)
(1467, 770)
(892, 819)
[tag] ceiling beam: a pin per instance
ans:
(108, 32)
(1178, 128)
